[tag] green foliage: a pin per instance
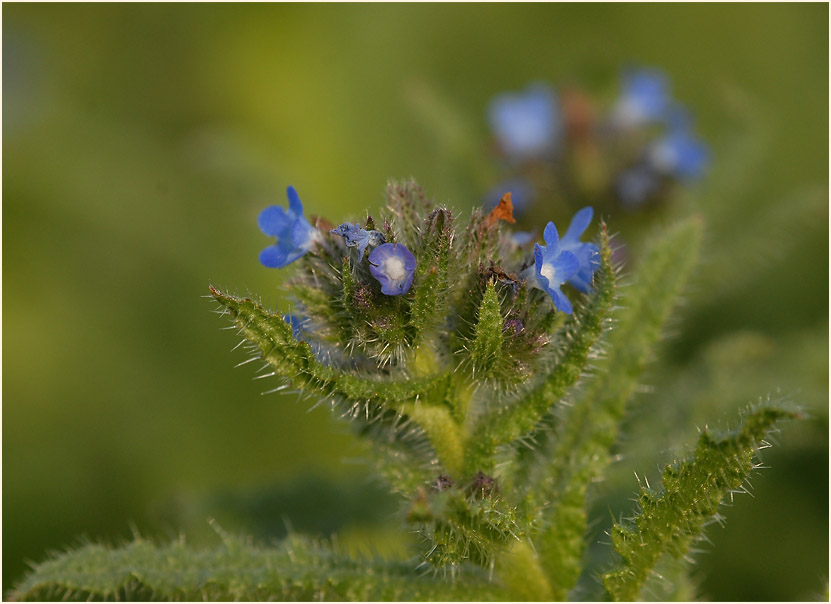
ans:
(235, 570)
(489, 411)
(488, 342)
(669, 521)
(558, 473)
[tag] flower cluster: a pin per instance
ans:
(438, 339)
(559, 147)
(378, 300)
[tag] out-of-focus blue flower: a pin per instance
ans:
(357, 237)
(637, 184)
(679, 153)
(295, 236)
(393, 265)
(296, 323)
(644, 98)
(522, 238)
(587, 253)
(526, 124)
(522, 195)
(553, 267)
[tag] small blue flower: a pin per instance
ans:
(553, 267)
(526, 124)
(296, 323)
(644, 98)
(587, 254)
(394, 266)
(357, 237)
(295, 236)
(678, 153)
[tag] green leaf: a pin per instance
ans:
(522, 573)
(295, 361)
(488, 341)
(465, 524)
(364, 399)
(671, 520)
(298, 569)
(431, 285)
(407, 204)
(505, 424)
(579, 452)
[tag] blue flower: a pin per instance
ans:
(295, 236)
(678, 153)
(522, 238)
(644, 98)
(357, 237)
(553, 267)
(394, 266)
(587, 254)
(296, 323)
(526, 124)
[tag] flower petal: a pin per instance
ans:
(302, 234)
(560, 301)
(274, 220)
(566, 265)
(393, 266)
(578, 225)
(273, 257)
(539, 254)
(552, 238)
(295, 205)
(522, 238)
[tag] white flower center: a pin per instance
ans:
(547, 271)
(394, 268)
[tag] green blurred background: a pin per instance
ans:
(141, 141)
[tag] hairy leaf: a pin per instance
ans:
(579, 452)
(669, 521)
(504, 424)
(298, 569)
(488, 342)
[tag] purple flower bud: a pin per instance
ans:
(393, 265)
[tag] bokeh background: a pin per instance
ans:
(141, 141)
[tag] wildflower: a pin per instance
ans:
(678, 153)
(587, 253)
(295, 236)
(644, 98)
(393, 265)
(553, 267)
(526, 124)
(357, 237)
